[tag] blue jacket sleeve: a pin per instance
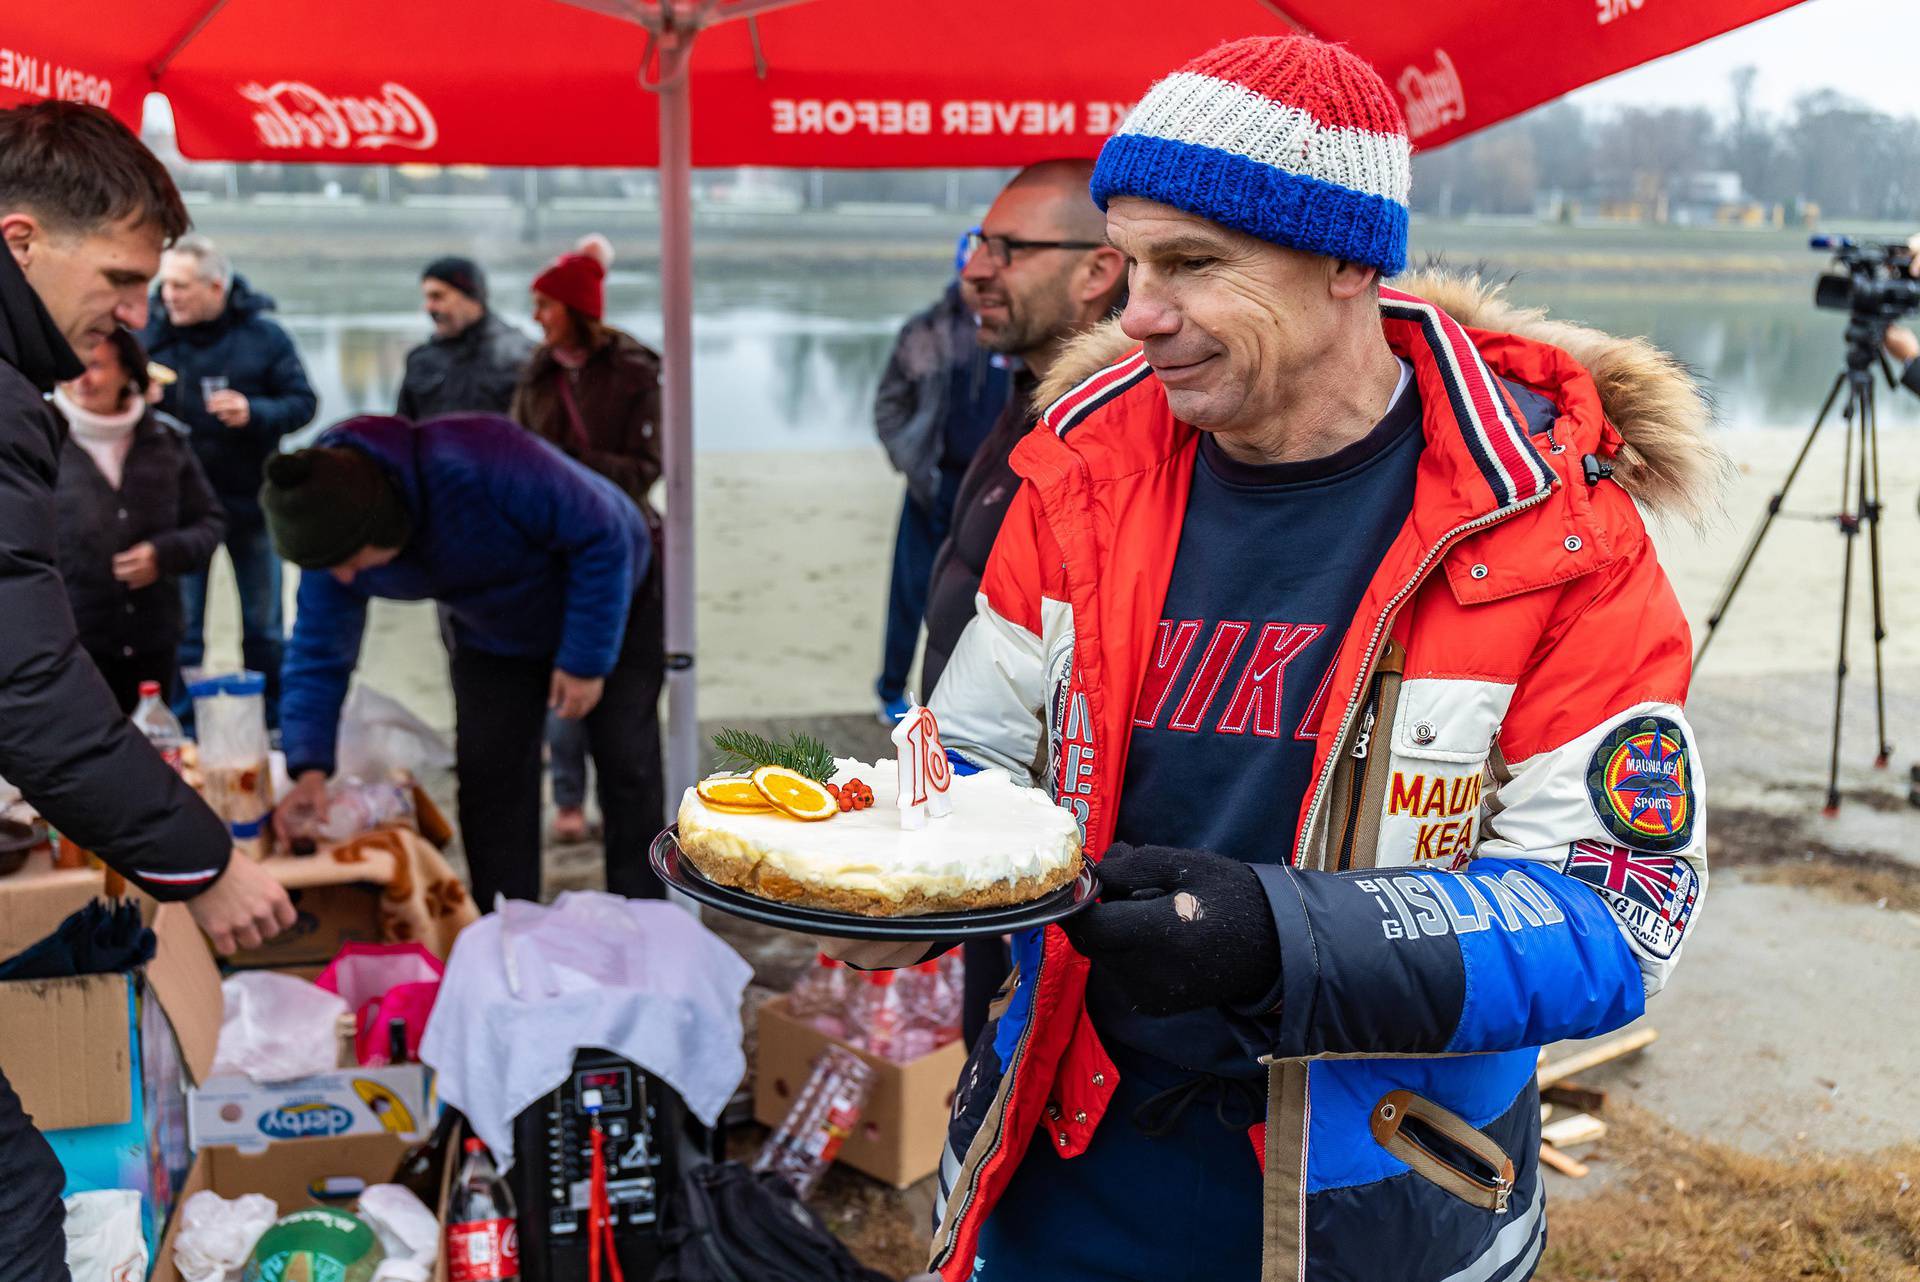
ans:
(1503, 954)
(290, 402)
(595, 530)
(327, 628)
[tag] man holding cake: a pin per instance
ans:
(1335, 625)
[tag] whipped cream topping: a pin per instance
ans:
(999, 831)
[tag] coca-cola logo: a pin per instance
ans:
(294, 116)
(1432, 98)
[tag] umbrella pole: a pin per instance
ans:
(676, 453)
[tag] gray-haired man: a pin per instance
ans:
(241, 388)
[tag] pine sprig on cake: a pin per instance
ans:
(801, 753)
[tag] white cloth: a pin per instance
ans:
(105, 437)
(526, 986)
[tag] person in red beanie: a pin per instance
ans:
(594, 391)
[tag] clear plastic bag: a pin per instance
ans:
(216, 1236)
(277, 1027)
(105, 1242)
(379, 735)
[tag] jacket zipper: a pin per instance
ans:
(1371, 655)
(955, 1214)
(1356, 795)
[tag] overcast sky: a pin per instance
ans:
(1867, 48)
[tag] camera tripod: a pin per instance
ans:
(1859, 508)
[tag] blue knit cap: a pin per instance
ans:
(1286, 138)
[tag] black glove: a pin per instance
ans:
(1180, 929)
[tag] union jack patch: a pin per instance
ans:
(1652, 895)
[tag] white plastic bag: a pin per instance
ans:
(216, 1236)
(277, 1027)
(406, 1228)
(379, 734)
(104, 1239)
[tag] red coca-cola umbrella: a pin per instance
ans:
(842, 83)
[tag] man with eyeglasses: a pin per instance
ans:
(1037, 272)
(936, 400)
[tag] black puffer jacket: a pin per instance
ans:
(63, 742)
(163, 499)
(258, 360)
(475, 371)
(978, 510)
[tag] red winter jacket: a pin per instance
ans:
(1501, 728)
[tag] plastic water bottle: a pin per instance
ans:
(936, 1003)
(823, 1115)
(820, 996)
(156, 721)
(354, 808)
(483, 1234)
(877, 1019)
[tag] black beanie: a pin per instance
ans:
(462, 273)
(325, 504)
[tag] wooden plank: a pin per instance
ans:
(1551, 1156)
(1593, 1056)
(1581, 1128)
(1581, 1099)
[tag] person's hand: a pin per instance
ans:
(574, 697)
(1901, 343)
(138, 566)
(298, 814)
(243, 908)
(874, 954)
(155, 392)
(230, 407)
(1179, 929)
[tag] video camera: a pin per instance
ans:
(1868, 278)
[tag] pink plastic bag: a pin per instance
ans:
(381, 983)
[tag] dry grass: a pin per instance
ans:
(1773, 848)
(1692, 1209)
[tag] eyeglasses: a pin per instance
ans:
(1003, 247)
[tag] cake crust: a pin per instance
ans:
(724, 859)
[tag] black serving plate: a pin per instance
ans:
(1055, 906)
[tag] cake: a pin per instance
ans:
(1002, 844)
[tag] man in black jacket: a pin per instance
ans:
(84, 212)
(1034, 285)
(474, 359)
(241, 387)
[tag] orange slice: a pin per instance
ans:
(732, 792)
(794, 794)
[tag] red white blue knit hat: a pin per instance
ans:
(1286, 138)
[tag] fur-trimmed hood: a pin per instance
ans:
(1669, 461)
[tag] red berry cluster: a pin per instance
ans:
(852, 795)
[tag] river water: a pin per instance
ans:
(789, 347)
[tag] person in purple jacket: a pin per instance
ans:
(534, 560)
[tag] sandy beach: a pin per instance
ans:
(794, 550)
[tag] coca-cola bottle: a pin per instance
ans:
(820, 996)
(823, 1115)
(156, 721)
(483, 1235)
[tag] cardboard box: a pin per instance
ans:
(327, 917)
(70, 1047)
(284, 1173)
(234, 1111)
(101, 1062)
(904, 1125)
